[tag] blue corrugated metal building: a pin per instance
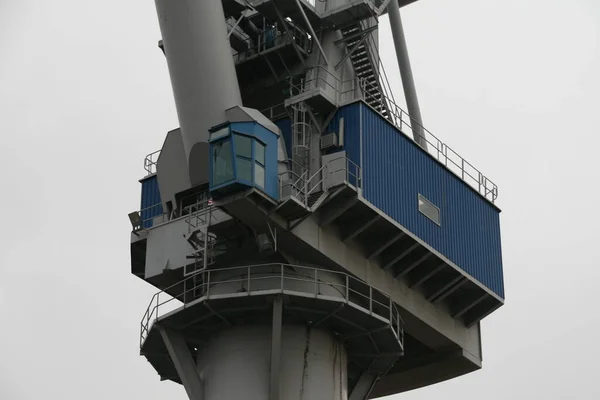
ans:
(151, 203)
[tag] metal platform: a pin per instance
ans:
(366, 319)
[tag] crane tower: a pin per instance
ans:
(308, 238)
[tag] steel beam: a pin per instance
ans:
(386, 245)
(183, 362)
(312, 32)
(332, 216)
(469, 306)
(362, 228)
(363, 387)
(408, 81)
(447, 289)
(275, 384)
(428, 275)
(289, 34)
(349, 52)
(401, 256)
(414, 265)
(237, 23)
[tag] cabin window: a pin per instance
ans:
(428, 209)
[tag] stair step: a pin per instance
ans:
(313, 197)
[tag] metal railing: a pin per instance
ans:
(270, 279)
(152, 216)
(278, 111)
(150, 162)
(302, 186)
(271, 38)
(193, 207)
(358, 89)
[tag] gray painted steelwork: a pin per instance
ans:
(293, 266)
(408, 82)
(203, 77)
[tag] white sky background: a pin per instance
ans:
(512, 85)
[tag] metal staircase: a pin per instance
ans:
(366, 67)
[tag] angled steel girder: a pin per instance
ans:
(414, 265)
(312, 32)
(363, 387)
(183, 362)
(362, 228)
(235, 25)
(386, 245)
(289, 34)
(401, 256)
(446, 290)
(363, 36)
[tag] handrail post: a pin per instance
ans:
(281, 267)
(347, 289)
(248, 288)
(157, 304)
(208, 285)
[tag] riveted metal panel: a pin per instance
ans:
(151, 203)
(396, 171)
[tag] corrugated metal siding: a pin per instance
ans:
(151, 203)
(396, 170)
(351, 116)
(286, 130)
(271, 179)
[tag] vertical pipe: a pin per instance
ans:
(408, 82)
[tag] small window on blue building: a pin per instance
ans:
(259, 167)
(222, 162)
(243, 156)
(429, 210)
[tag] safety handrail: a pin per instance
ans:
(370, 299)
(405, 123)
(150, 162)
(257, 43)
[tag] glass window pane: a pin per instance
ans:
(243, 146)
(260, 152)
(220, 133)
(244, 169)
(222, 162)
(428, 209)
(259, 175)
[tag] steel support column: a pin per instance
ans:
(408, 82)
(275, 385)
(363, 387)
(183, 362)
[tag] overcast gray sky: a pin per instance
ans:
(512, 85)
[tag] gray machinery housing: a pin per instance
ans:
(308, 238)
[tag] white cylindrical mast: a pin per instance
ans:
(235, 364)
(201, 67)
